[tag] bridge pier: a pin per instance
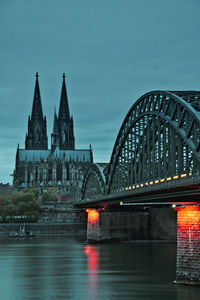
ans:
(188, 245)
(93, 228)
(106, 226)
(157, 223)
(151, 224)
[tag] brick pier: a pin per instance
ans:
(188, 245)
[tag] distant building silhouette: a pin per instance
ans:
(61, 166)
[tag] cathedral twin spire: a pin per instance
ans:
(63, 128)
(64, 107)
(65, 122)
(36, 137)
(37, 113)
(63, 132)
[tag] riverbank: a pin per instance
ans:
(45, 228)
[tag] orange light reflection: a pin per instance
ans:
(93, 256)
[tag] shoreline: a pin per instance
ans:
(45, 228)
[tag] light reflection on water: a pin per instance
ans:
(93, 269)
(60, 267)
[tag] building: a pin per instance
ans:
(62, 166)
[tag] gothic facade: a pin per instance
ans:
(62, 165)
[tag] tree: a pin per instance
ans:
(49, 195)
(19, 204)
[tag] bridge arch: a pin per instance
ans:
(159, 137)
(93, 182)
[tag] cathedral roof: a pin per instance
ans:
(66, 155)
(33, 155)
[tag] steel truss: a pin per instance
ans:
(93, 183)
(159, 138)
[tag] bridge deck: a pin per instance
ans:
(185, 190)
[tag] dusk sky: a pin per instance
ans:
(112, 52)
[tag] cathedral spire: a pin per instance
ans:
(65, 123)
(36, 137)
(37, 113)
(55, 137)
(55, 122)
(64, 106)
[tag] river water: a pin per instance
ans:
(62, 267)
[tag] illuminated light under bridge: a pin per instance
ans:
(93, 215)
(172, 203)
(146, 184)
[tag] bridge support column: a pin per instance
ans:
(93, 229)
(106, 226)
(188, 245)
(98, 226)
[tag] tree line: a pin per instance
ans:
(18, 205)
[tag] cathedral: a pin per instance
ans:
(62, 166)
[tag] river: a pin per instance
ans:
(63, 267)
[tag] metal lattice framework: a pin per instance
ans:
(93, 183)
(160, 137)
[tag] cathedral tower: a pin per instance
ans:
(36, 138)
(65, 122)
(55, 136)
(61, 167)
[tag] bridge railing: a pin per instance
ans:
(176, 180)
(182, 180)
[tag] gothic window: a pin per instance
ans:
(50, 172)
(37, 137)
(63, 136)
(59, 171)
(36, 175)
(67, 168)
(53, 140)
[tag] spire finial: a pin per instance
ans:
(36, 75)
(54, 109)
(63, 76)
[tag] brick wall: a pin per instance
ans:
(188, 245)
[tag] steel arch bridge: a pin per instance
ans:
(159, 141)
(94, 182)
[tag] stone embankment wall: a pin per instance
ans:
(154, 224)
(55, 212)
(45, 228)
(54, 218)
